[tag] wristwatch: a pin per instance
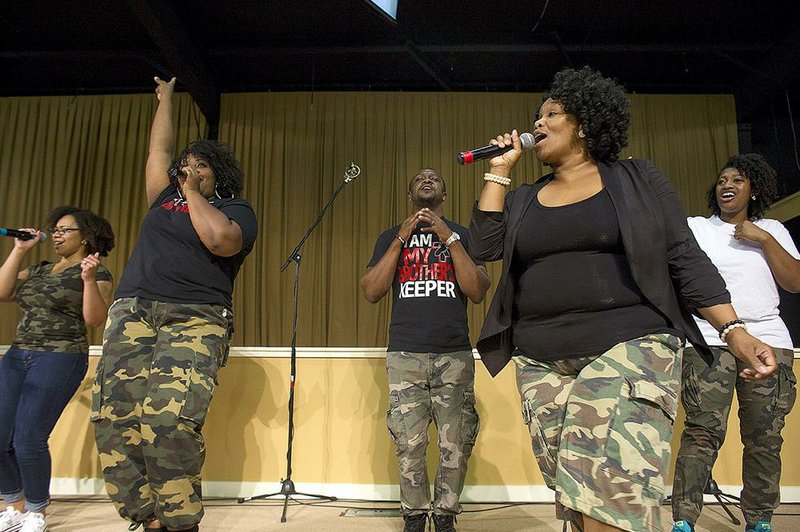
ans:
(453, 237)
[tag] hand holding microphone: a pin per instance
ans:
(499, 146)
(24, 234)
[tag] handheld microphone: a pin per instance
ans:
(22, 235)
(487, 152)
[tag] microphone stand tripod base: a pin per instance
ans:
(287, 491)
(724, 499)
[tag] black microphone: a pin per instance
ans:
(22, 235)
(487, 152)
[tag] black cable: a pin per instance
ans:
(541, 15)
(794, 133)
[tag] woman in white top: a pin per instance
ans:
(754, 255)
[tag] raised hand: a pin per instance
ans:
(164, 89)
(89, 266)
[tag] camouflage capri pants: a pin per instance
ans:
(601, 426)
(151, 394)
(763, 405)
(438, 387)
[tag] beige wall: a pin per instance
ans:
(340, 434)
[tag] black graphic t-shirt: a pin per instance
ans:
(429, 312)
(170, 262)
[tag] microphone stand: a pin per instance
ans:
(724, 499)
(287, 485)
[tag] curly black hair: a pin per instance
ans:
(94, 228)
(227, 172)
(601, 106)
(763, 184)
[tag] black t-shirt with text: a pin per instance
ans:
(170, 262)
(429, 312)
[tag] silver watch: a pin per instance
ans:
(453, 237)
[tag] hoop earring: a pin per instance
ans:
(581, 134)
(216, 193)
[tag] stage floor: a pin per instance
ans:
(98, 514)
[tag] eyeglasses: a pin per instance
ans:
(62, 230)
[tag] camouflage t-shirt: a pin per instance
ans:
(52, 309)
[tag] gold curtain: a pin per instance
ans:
(87, 151)
(294, 147)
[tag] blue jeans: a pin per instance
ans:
(35, 387)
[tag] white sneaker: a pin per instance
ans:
(33, 522)
(11, 520)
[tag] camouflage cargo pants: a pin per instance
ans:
(763, 405)
(600, 429)
(438, 387)
(151, 394)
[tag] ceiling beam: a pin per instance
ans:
(164, 26)
(487, 48)
(427, 66)
(227, 51)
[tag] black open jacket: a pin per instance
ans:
(669, 267)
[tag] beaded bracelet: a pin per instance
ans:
(728, 327)
(500, 180)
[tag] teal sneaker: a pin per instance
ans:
(682, 526)
(761, 526)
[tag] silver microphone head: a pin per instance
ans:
(351, 172)
(527, 141)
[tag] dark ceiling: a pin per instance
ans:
(750, 49)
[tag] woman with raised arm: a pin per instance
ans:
(754, 255)
(599, 274)
(170, 328)
(50, 352)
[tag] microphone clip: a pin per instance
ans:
(351, 172)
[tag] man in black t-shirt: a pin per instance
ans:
(429, 359)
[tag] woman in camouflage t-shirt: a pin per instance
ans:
(49, 356)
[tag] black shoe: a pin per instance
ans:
(444, 523)
(415, 523)
(135, 526)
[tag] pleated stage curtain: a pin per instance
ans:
(294, 147)
(87, 151)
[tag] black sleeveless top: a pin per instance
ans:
(575, 292)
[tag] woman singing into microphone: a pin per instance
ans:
(599, 274)
(49, 355)
(170, 327)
